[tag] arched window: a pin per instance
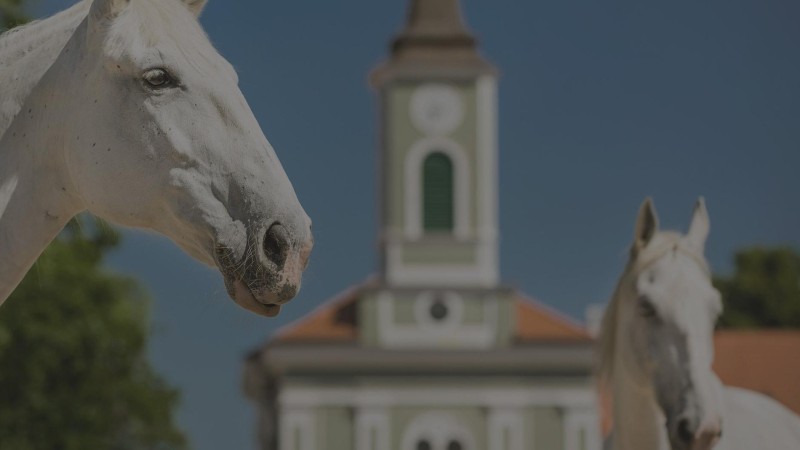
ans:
(437, 193)
(455, 445)
(435, 431)
(424, 445)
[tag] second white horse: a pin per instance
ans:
(657, 349)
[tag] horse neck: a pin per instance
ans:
(37, 197)
(27, 52)
(638, 423)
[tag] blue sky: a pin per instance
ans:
(601, 104)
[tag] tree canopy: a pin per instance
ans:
(764, 291)
(11, 14)
(74, 372)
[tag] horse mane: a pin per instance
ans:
(17, 41)
(607, 338)
(28, 51)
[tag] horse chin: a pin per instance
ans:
(698, 445)
(700, 442)
(706, 444)
(244, 297)
(705, 440)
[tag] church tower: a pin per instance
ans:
(438, 178)
(439, 284)
(433, 353)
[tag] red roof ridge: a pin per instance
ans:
(335, 320)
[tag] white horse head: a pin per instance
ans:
(144, 125)
(657, 338)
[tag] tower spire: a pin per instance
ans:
(434, 23)
(434, 39)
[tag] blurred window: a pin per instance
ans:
(438, 193)
(455, 445)
(439, 310)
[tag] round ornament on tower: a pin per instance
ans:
(437, 109)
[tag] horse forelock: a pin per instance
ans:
(663, 243)
(28, 51)
(166, 24)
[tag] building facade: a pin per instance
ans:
(434, 352)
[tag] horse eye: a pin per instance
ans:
(157, 78)
(646, 309)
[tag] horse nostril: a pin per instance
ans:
(276, 244)
(685, 433)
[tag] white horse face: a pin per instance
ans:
(670, 329)
(164, 139)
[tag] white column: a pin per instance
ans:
(488, 183)
(506, 429)
(297, 429)
(372, 429)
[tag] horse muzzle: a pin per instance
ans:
(692, 435)
(269, 274)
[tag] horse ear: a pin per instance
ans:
(105, 10)
(646, 225)
(698, 230)
(196, 6)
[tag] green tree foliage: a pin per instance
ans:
(73, 368)
(11, 14)
(764, 291)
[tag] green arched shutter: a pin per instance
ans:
(437, 193)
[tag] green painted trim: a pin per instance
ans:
(368, 320)
(400, 136)
(335, 429)
(547, 425)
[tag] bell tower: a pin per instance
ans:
(435, 353)
(438, 156)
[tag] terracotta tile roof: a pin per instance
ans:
(336, 321)
(767, 361)
(537, 322)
